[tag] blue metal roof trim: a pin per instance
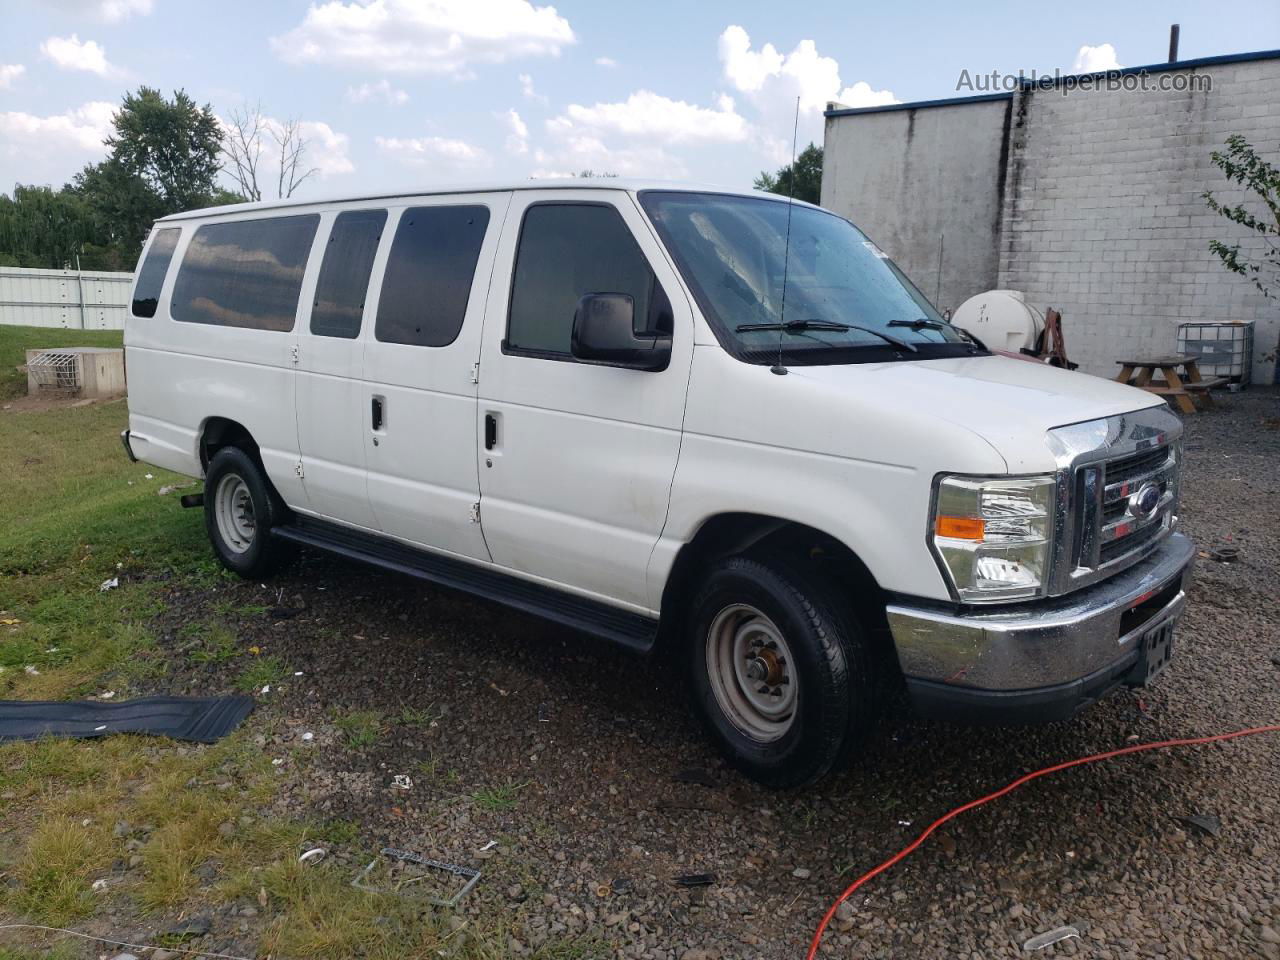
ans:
(889, 107)
(1048, 83)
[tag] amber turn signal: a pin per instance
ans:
(960, 528)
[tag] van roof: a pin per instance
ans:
(629, 184)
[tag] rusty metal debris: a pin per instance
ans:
(394, 854)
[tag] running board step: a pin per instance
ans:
(633, 631)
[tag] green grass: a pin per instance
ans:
(62, 859)
(209, 642)
(360, 728)
(417, 716)
(73, 513)
(16, 341)
(499, 798)
(261, 672)
(77, 513)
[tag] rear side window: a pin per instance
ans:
(146, 292)
(344, 273)
(429, 272)
(567, 251)
(245, 274)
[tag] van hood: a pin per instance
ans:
(1009, 403)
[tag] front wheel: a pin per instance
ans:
(780, 673)
(240, 508)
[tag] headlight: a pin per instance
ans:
(993, 537)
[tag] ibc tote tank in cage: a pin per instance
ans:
(1223, 349)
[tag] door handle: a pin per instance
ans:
(490, 431)
(378, 413)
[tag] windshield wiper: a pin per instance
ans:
(924, 323)
(800, 326)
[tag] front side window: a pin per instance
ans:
(343, 283)
(246, 273)
(733, 252)
(568, 250)
(146, 292)
(429, 273)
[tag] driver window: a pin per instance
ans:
(567, 250)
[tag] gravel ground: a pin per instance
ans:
(611, 790)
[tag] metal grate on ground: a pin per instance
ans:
(55, 371)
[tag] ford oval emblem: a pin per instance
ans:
(1143, 503)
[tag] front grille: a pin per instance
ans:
(1117, 532)
(1109, 517)
(1134, 542)
(1127, 468)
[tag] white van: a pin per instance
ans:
(712, 425)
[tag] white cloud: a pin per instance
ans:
(108, 11)
(84, 128)
(50, 149)
(862, 94)
(326, 148)
(655, 118)
(10, 72)
(382, 90)
(69, 53)
(1095, 59)
(606, 62)
(442, 36)
(773, 80)
(527, 91)
(517, 132)
(575, 154)
(434, 150)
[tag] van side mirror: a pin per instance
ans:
(604, 332)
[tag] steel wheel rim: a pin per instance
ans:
(233, 510)
(752, 672)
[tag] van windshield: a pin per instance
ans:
(731, 251)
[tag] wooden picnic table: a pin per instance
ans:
(1173, 385)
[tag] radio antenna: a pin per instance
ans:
(777, 367)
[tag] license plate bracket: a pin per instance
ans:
(1157, 650)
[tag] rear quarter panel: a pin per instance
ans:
(182, 374)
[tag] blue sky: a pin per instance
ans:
(404, 92)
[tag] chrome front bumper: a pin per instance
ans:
(1057, 654)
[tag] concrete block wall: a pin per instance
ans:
(1103, 214)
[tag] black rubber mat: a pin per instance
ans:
(202, 719)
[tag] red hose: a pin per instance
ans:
(908, 850)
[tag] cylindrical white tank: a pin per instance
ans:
(1002, 319)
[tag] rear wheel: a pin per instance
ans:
(780, 673)
(240, 508)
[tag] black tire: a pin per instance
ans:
(244, 545)
(833, 706)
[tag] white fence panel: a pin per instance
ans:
(89, 300)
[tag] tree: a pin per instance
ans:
(172, 145)
(163, 159)
(802, 180)
(1240, 164)
(44, 228)
(247, 134)
(123, 206)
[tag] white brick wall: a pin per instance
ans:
(1103, 216)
